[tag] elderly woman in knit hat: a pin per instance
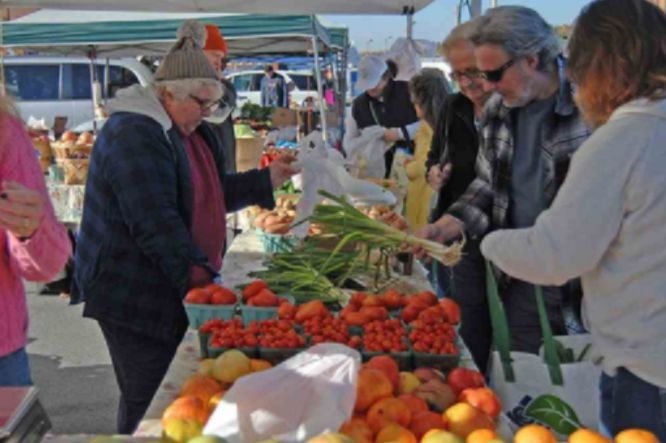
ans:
(153, 222)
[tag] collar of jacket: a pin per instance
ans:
(564, 105)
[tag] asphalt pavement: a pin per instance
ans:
(70, 366)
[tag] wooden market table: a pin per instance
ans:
(245, 254)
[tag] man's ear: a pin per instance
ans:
(533, 61)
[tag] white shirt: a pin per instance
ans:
(608, 226)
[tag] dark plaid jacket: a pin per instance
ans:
(134, 249)
(485, 204)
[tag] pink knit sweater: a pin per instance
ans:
(38, 259)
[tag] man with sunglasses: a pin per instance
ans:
(154, 217)
(528, 133)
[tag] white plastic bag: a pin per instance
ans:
(309, 394)
(322, 168)
(365, 153)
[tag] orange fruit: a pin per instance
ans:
(387, 365)
(358, 430)
(200, 386)
(387, 411)
(481, 436)
(257, 365)
(373, 385)
(587, 436)
(394, 433)
(534, 434)
(636, 436)
(425, 421)
(463, 418)
(414, 403)
(186, 408)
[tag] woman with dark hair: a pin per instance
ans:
(608, 222)
(428, 90)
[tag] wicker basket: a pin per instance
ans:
(76, 170)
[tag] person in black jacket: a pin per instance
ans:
(450, 167)
(153, 223)
(386, 103)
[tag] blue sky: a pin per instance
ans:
(436, 20)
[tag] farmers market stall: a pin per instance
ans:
(245, 255)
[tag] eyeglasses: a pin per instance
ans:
(470, 74)
(495, 76)
(206, 105)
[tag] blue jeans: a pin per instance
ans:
(15, 369)
(630, 402)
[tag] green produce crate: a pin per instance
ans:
(404, 359)
(200, 314)
(278, 355)
(203, 343)
(214, 352)
(443, 362)
(255, 313)
(273, 243)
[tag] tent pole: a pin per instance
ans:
(410, 25)
(320, 90)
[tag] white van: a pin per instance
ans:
(248, 85)
(46, 87)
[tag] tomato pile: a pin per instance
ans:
(384, 336)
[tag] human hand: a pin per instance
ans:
(439, 176)
(391, 135)
(281, 169)
(445, 229)
(21, 209)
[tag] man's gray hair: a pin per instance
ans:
(520, 31)
(181, 89)
(461, 34)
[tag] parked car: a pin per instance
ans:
(46, 87)
(302, 84)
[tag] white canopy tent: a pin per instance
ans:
(236, 6)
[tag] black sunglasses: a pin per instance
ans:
(495, 76)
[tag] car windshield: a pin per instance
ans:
(304, 82)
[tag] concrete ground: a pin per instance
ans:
(71, 367)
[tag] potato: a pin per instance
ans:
(271, 219)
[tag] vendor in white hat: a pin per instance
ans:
(386, 103)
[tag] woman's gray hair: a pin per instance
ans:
(428, 89)
(462, 33)
(520, 31)
(181, 89)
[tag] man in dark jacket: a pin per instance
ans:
(154, 218)
(450, 167)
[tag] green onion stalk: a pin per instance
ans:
(351, 225)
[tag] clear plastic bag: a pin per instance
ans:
(309, 394)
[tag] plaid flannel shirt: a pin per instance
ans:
(485, 204)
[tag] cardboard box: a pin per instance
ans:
(284, 117)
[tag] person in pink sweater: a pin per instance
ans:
(33, 245)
